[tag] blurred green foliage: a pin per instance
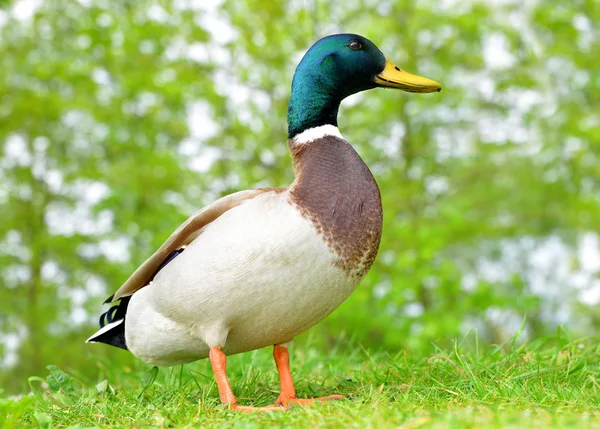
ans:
(119, 119)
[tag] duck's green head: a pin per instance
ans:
(338, 66)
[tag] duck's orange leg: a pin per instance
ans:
(287, 393)
(218, 361)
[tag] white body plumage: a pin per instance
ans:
(256, 276)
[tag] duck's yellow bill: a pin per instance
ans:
(393, 77)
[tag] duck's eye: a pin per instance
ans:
(355, 44)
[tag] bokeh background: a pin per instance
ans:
(120, 119)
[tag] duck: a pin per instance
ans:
(257, 268)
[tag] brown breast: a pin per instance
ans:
(335, 190)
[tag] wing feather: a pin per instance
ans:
(183, 236)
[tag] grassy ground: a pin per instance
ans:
(550, 383)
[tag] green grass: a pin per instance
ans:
(549, 383)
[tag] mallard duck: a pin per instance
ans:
(257, 268)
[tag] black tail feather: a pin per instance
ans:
(115, 335)
(116, 312)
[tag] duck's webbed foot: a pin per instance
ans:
(287, 395)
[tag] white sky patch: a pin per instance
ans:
(16, 152)
(165, 76)
(62, 219)
(11, 342)
(104, 20)
(221, 31)
(496, 52)
(41, 144)
(52, 273)
(78, 316)
(454, 143)
(13, 245)
(177, 49)
(469, 282)
(198, 52)
(201, 121)
(546, 267)
(115, 250)
(228, 85)
(508, 319)
(92, 191)
(95, 286)
(382, 288)
(15, 275)
(189, 147)
(590, 295)
(144, 102)
(584, 26)
(210, 6)
(589, 252)
(3, 18)
(453, 7)
(101, 76)
(206, 157)
(208, 17)
(523, 100)
(54, 179)
(267, 157)
(176, 199)
(157, 13)
(147, 47)
(582, 23)
(413, 309)
(436, 185)
(561, 71)
(550, 267)
(261, 99)
(117, 38)
(500, 129)
(23, 10)
(294, 6)
(78, 296)
(572, 147)
(425, 37)
(392, 145)
(208, 52)
(239, 96)
(459, 113)
(88, 251)
(415, 172)
(486, 87)
(353, 100)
